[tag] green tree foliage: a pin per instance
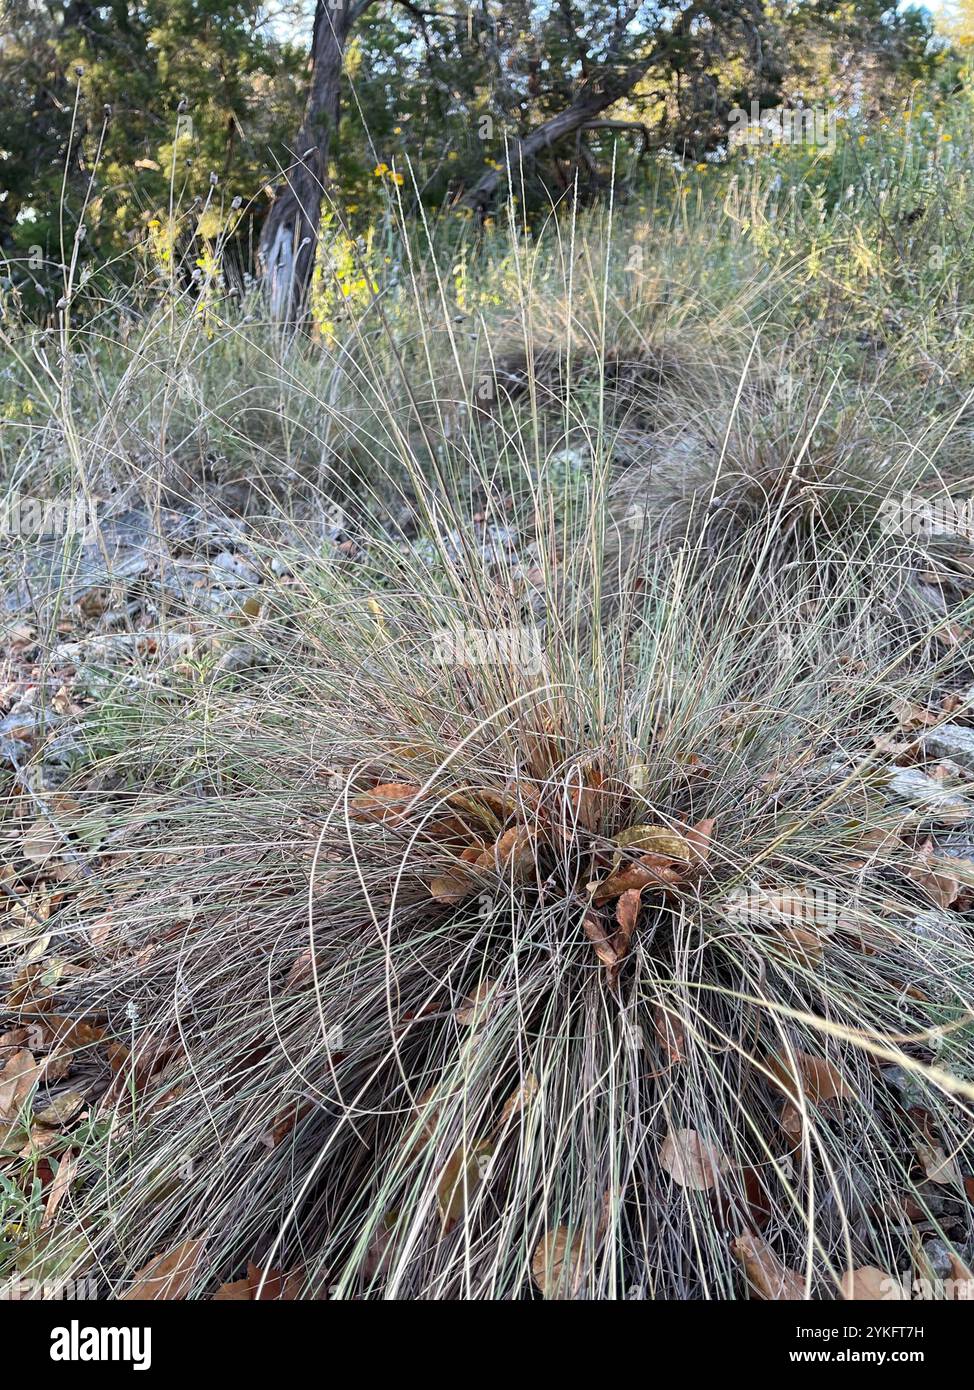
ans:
(116, 111)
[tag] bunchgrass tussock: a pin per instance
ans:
(475, 954)
(508, 849)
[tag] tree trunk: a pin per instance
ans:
(289, 235)
(591, 101)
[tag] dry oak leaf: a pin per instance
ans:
(168, 1276)
(514, 849)
(612, 945)
(689, 1161)
(452, 887)
(939, 1167)
(962, 1285)
(653, 839)
(812, 1077)
(653, 870)
(387, 802)
(16, 1083)
(460, 1181)
(520, 1099)
(61, 1111)
(700, 838)
(869, 1284)
(767, 1277)
(671, 1033)
(63, 1178)
(474, 1005)
(556, 1265)
(910, 716)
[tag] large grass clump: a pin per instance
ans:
(534, 873)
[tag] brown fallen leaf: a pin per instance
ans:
(460, 1181)
(653, 870)
(962, 1280)
(514, 850)
(473, 1006)
(671, 1033)
(61, 1111)
(815, 1078)
(767, 1277)
(869, 1284)
(689, 1161)
(237, 1292)
(939, 1167)
(452, 887)
(66, 1170)
(17, 1080)
(387, 802)
(519, 1100)
(910, 716)
(612, 944)
(556, 1265)
(699, 837)
(627, 911)
(168, 1276)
